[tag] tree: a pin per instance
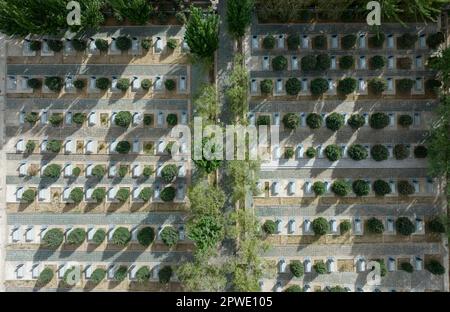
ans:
(99, 171)
(29, 196)
(293, 41)
(405, 120)
(45, 276)
(122, 195)
(170, 84)
(379, 152)
(102, 83)
(407, 267)
(438, 225)
(52, 171)
(98, 275)
(405, 188)
(346, 86)
(206, 199)
(293, 288)
(121, 273)
(405, 226)
(206, 231)
(311, 152)
(56, 120)
(375, 226)
(333, 152)
(348, 41)
(270, 227)
(123, 119)
(340, 188)
(136, 11)
(357, 152)
(76, 237)
(346, 62)
(320, 267)
(381, 188)
(401, 151)
(146, 194)
(121, 236)
(54, 83)
(99, 236)
(319, 86)
(406, 41)
(169, 236)
(99, 194)
(320, 42)
(34, 83)
(334, 121)
(345, 226)
(314, 120)
(320, 226)
(202, 33)
(323, 62)
(237, 93)
(319, 188)
(435, 40)
(279, 63)
(53, 238)
(30, 147)
(76, 195)
(269, 42)
(123, 84)
(296, 267)
(169, 173)
(441, 63)
(377, 85)
(239, 16)
(361, 187)
(145, 236)
(168, 194)
(243, 177)
(435, 267)
(208, 164)
(379, 120)
(291, 121)
(377, 62)
(404, 85)
(143, 274)
(206, 103)
(123, 147)
(308, 63)
(293, 86)
(201, 276)
(79, 118)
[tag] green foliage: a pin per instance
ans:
(67, 278)
(31, 117)
(172, 43)
(311, 152)
(263, 120)
(79, 118)
(146, 194)
(53, 238)
(169, 173)
(52, 171)
(172, 119)
(334, 121)
(361, 187)
(35, 45)
(348, 41)
(405, 120)
(379, 120)
(357, 152)
(404, 85)
(121, 236)
(76, 171)
(55, 45)
(102, 83)
(98, 171)
(279, 63)
(270, 227)
(293, 86)
(122, 195)
(99, 236)
(146, 84)
(170, 84)
(237, 92)
(78, 84)
(314, 121)
(206, 199)
(136, 11)
(319, 188)
(320, 42)
(76, 237)
(99, 194)
(34, 83)
(381, 188)
(169, 236)
(308, 63)
(406, 41)
(346, 62)
(433, 86)
(266, 86)
(123, 119)
(377, 40)
(29, 196)
(145, 236)
(269, 42)
(375, 226)
(289, 153)
(320, 267)
(123, 170)
(56, 120)
(146, 43)
(346, 86)
(401, 151)
(30, 146)
(201, 276)
(379, 152)
(165, 274)
(320, 226)
(168, 194)
(54, 146)
(435, 40)
(404, 226)
(438, 225)
(45, 276)
(323, 62)
(377, 62)
(435, 267)
(98, 275)
(345, 226)
(123, 84)
(206, 232)
(319, 86)
(211, 164)
(333, 152)
(405, 188)
(377, 85)
(123, 147)
(239, 16)
(340, 188)
(294, 288)
(79, 44)
(123, 43)
(54, 83)
(102, 45)
(148, 171)
(407, 267)
(291, 121)
(293, 41)
(76, 195)
(143, 274)
(296, 267)
(121, 273)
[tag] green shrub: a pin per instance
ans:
(435, 267)
(311, 152)
(320, 226)
(172, 119)
(146, 43)
(379, 152)
(53, 238)
(340, 188)
(102, 83)
(54, 146)
(405, 226)
(45, 276)
(34, 83)
(293, 41)
(294, 288)
(279, 63)
(55, 45)
(169, 236)
(168, 194)
(405, 188)
(348, 42)
(266, 86)
(143, 274)
(121, 236)
(78, 84)
(319, 86)
(379, 120)
(148, 171)
(319, 188)
(123, 147)
(263, 120)
(345, 226)
(52, 171)
(98, 275)
(122, 195)
(29, 196)
(35, 45)
(54, 83)
(101, 44)
(420, 151)
(67, 278)
(148, 120)
(30, 146)
(334, 121)
(435, 40)
(99, 236)
(79, 45)
(293, 86)
(76, 171)
(381, 188)
(270, 227)
(76, 237)
(296, 267)
(405, 120)
(172, 43)
(314, 121)
(146, 194)
(407, 267)
(377, 85)
(76, 195)
(123, 170)
(308, 63)
(404, 63)
(269, 42)
(165, 274)
(289, 153)
(291, 121)
(346, 62)
(99, 194)
(123, 43)
(401, 151)
(377, 40)
(169, 173)
(146, 236)
(123, 119)
(346, 86)
(121, 273)
(377, 62)
(320, 267)
(146, 84)
(98, 171)
(406, 41)
(170, 84)
(323, 62)
(432, 86)
(361, 187)
(404, 85)
(333, 152)
(56, 120)
(320, 42)
(357, 152)
(375, 226)
(31, 117)
(123, 84)
(383, 269)
(79, 118)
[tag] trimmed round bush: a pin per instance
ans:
(308, 63)
(323, 62)
(29, 196)
(122, 195)
(296, 267)
(99, 194)
(293, 41)
(123, 119)
(146, 236)
(356, 121)
(31, 117)
(123, 147)
(76, 171)
(340, 188)
(404, 85)
(435, 40)
(123, 84)
(35, 45)
(320, 226)
(53, 238)
(146, 84)
(45, 276)
(377, 40)
(102, 83)
(406, 41)
(375, 226)
(76, 195)
(346, 86)
(289, 153)
(54, 146)
(279, 63)
(98, 171)
(146, 43)
(146, 194)
(333, 152)
(314, 121)
(30, 147)
(269, 42)
(345, 226)
(99, 236)
(420, 151)
(79, 118)
(291, 121)
(78, 84)
(172, 43)
(319, 86)
(270, 227)
(348, 42)
(377, 85)
(170, 84)
(121, 273)
(76, 237)
(346, 62)
(293, 86)
(169, 173)
(405, 188)
(377, 62)
(263, 120)
(381, 188)
(405, 226)
(143, 274)
(121, 236)
(361, 187)
(311, 152)
(334, 121)
(437, 225)
(435, 267)
(379, 152)
(172, 119)
(168, 194)
(401, 151)
(379, 120)
(123, 43)
(169, 236)
(56, 120)
(98, 275)
(101, 44)
(165, 274)
(54, 83)
(357, 152)
(294, 288)
(320, 267)
(320, 42)
(79, 45)
(266, 86)
(52, 171)
(34, 83)
(55, 45)
(407, 267)
(405, 120)
(319, 188)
